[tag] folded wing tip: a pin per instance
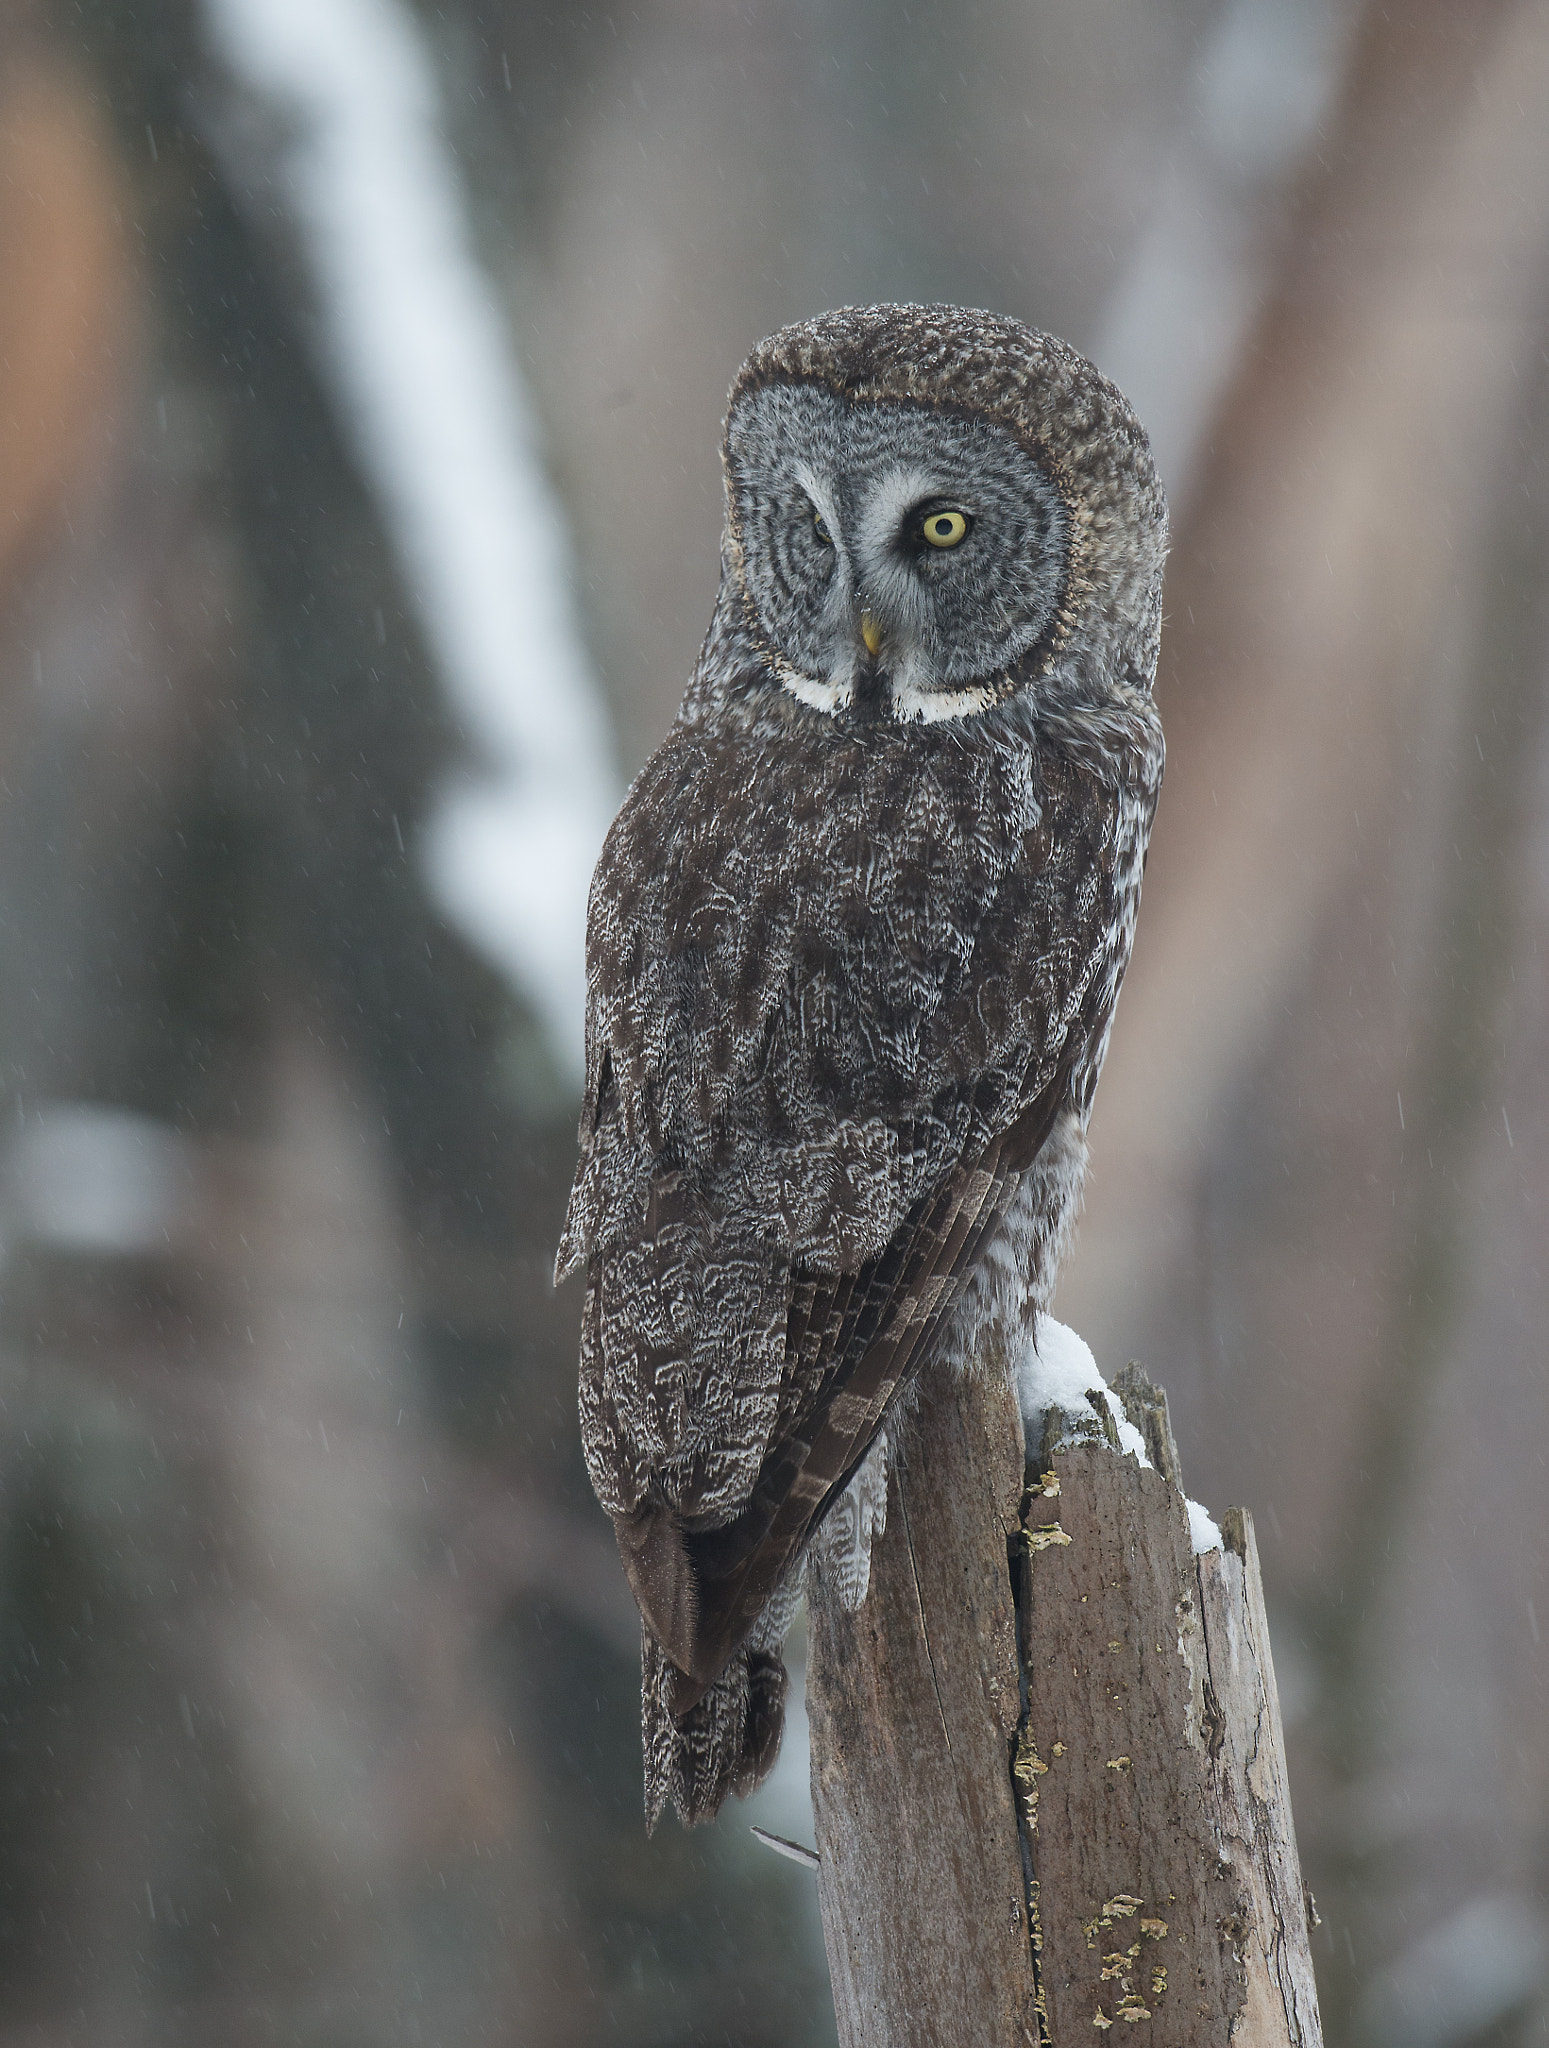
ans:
(662, 1578)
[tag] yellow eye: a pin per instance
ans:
(944, 529)
(820, 528)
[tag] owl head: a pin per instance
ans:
(930, 510)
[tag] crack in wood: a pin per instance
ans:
(1026, 1764)
(930, 1655)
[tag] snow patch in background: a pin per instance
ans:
(419, 357)
(94, 1178)
(1057, 1370)
(1174, 329)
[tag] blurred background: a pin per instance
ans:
(361, 371)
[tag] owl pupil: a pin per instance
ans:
(820, 528)
(943, 527)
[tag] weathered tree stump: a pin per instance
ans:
(914, 1703)
(1047, 1764)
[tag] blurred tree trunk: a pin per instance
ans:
(1454, 1093)
(1348, 466)
(314, 1705)
(1290, 1139)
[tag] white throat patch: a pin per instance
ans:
(911, 704)
(906, 702)
(815, 691)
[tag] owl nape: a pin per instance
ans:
(853, 949)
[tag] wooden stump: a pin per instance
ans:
(914, 1703)
(1047, 1765)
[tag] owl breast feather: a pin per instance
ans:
(821, 973)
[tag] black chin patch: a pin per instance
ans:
(870, 698)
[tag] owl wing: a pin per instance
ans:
(756, 1307)
(857, 1341)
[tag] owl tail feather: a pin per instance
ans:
(726, 1742)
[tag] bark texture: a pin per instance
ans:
(914, 1704)
(1102, 1837)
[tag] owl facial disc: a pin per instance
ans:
(899, 561)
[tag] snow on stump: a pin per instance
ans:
(1047, 1765)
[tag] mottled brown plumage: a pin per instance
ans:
(854, 944)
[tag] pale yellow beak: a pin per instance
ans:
(871, 633)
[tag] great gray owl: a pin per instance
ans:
(853, 949)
